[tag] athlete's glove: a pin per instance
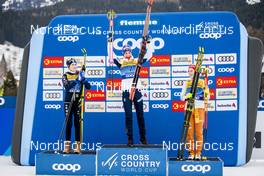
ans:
(188, 96)
(81, 76)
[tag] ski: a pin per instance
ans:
(110, 39)
(143, 49)
(190, 103)
(82, 95)
(205, 125)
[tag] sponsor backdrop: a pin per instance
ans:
(174, 46)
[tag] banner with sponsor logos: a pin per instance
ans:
(175, 40)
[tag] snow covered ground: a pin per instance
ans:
(254, 168)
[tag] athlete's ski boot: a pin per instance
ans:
(77, 149)
(67, 147)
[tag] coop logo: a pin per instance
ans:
(95, 73)
(196, 168)
(226, 70)
(226, 58)
(68, 38)
(53, 62)
(181, 59)
(66, 167)
(137, 23)
(228, 81)
(2, 101)
(160, 60)
(52, 95)
(160, 106)
(155, 43)
(210, 36)
(178, 106)
(177, 94)
(52, 106)
(114, 72)
(96, 83)
(261, 105)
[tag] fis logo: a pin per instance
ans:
(111, 161)
(66, 167)
(196, 168)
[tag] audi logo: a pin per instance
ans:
(52, 95)
(228, 70)
(160, 106)
(210, 35)
(67, 167)
(177, 94)
(160, 94)
(95, 72)
(226, 58)
(178, 82)
(68, 38)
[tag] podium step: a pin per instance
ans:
(135, 160)
(56, 163)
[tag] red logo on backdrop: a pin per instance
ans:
(53, 62)
(144, 72)
(178, 106)
(94, 95)
(212, 94)
(227, 81)
(161, 60)
(113, 84)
